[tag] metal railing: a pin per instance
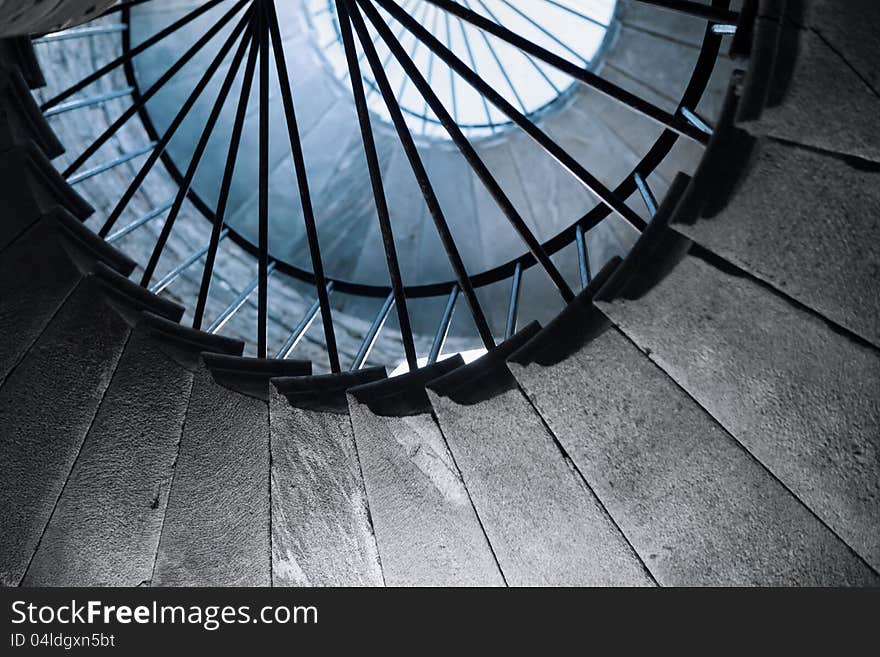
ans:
(255, 44)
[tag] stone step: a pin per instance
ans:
(804, 221)
(850, 29)
(322, 534)
(105, 527)
(698, 508)
(427, 531)
(18, 52)
(217, 522)
(795, 392)
(808, 55)
(545, 525)
(52, 256)
(32, 187)
(49, 402)
(22, 119)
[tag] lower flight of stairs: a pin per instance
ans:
(704, 413)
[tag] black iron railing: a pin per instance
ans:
(255, 43)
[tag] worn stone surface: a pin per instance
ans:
(799, 396)
(321, 531)
(426, 529)
(698, 509)
(545, 526)
(46, 407)
(850, 123)
(850, 28)
(25, 310)
(31, 188)
(216, 530)
(105, 528)
(808, 224)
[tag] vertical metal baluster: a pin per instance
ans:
(131, 54)
(305, 324)
(579, 73)
(527, 57)
(91, 101)
(443, 328)
(226, 183)
(140, 100)
(321, 285)
(373, 334)
(466, 149)
(546, 142)
(647, 195)
(188, 262)
(239, 302)
(175, 124)
(128, 156)
(263, 185)
(697, 121)
(513, 308)
(424, 183)
(378, 188)
(195, 160)
(583, 256)
(137, 223)
(80, 33)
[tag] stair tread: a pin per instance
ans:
(849, 28)
(46, 408)
(806, 223)
(22, 119)
(19, 52)
(105, 527)
(698, 509)
(38, 257)
(216, 528)
(321, 529)
(798, 395)
(811, 70)
(32, 187)
(545, 526)
(426, 529)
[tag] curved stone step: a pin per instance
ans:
(49, 402)
(817, 58)
(105, 528)
(322, 534)
(427, 531)
(22, 120)
(698, 508)
(794, 391)
(545, 526)
(18, 52)
(31, 188)
(52, 256)
(850, 29)
(216, 530)
(803, 221)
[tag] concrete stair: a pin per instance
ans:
(704, 413)
(217, 524)
(427, 531)
(114, 501)
(322, 534)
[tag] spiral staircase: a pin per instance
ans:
(704, 412)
